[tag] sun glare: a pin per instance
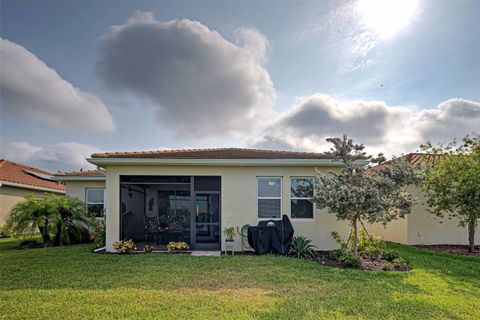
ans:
(386, 17)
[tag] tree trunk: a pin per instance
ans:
(471, 235)
(58, 235)
(355, 238)
(44, 234)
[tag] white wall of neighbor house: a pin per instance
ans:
(426, 228)
(238, 200)
(77, 189)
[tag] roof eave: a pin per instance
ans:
(223, 162)
(29, 187)
(79, 178)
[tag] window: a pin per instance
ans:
(269, 194)
(95, 199)
(301, 198)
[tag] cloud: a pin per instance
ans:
(62, 156)
(355, 28)
(31, 89)
(198, 82)
(382, 128)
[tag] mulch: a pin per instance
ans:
(460, 250)
(368, 264)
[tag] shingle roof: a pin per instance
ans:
(81, 173)
(26, 175)
(217, 153)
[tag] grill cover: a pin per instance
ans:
(271, 236)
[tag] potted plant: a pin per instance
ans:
(229, 233)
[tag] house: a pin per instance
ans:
(193, 195)
(421, 227)
(18, 180)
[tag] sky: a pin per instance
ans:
(81, 77)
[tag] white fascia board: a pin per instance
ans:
(79, 178)
(29, 187)
(223, 162)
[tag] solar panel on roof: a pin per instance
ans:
(39, 175)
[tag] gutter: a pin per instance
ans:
(223, 162)
(79, 178)
(29, 187)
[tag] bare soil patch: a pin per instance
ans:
(459, 250)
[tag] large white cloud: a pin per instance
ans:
(198, 82)
(382, 128)
(30, 88)
(62, 156)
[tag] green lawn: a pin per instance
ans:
(72, 282)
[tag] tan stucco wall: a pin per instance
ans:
(238, 201)
(10, 196)
(395, 231)
(76, 189)
(425, 228)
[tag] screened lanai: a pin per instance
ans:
(160, 209)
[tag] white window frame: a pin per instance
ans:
(104, 199)
(271, 198)
(303, 198)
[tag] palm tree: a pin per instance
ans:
(31, 214)
(72, 222)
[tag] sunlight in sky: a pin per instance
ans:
(387, 17)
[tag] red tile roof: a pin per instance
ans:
(26, 175)
(217, 153)
(81, 173)
(417, 159)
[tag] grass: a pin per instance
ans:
(72, 282)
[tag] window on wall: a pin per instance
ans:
(269, 193)
(301, 198)
(95, 200)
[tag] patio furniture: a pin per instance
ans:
(271, 236)
(151, 228)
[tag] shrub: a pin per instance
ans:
(177, 246)
(124, 246)
(399, 263)
(370, 244)
(4, 232)
(148, 248)
(99, 236)
(389, 255)
(302, 247)
(349, 260)
(335, 254)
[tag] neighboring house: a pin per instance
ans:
(88, 186)
(18, 180)
(193, 195)
(420, 226)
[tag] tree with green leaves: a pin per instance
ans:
(62, 216)
(452, 184)
(359, 194)
(72, 223)
(30, 215)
